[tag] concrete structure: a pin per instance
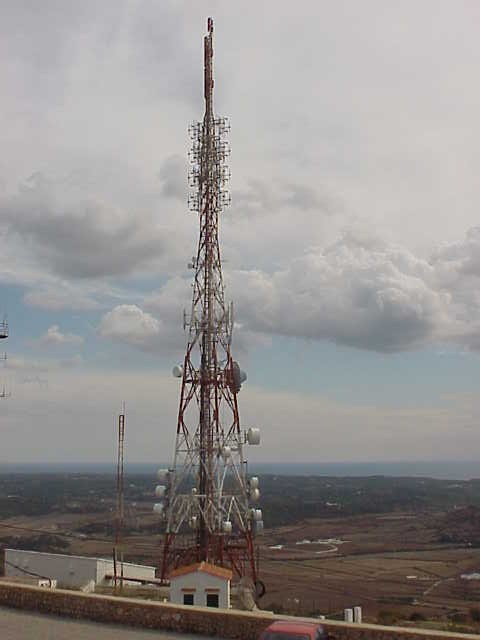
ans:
(45, 583)
(77, 572)
(201, 585)
(348, 615)
(223, 623)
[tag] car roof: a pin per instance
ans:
(297, 627)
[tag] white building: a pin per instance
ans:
(77, 572)
(201, 585)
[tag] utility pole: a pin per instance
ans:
(3, 336)
(120, 511)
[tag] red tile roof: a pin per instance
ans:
(204, 567)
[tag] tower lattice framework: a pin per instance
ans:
(207, 498)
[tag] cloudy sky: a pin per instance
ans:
(352, 246)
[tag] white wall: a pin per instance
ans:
(69, 571)
(200, 581)
(142, 572)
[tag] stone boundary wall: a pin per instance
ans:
(184, 619)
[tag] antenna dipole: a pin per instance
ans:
(206, 494)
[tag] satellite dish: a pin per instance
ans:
(260, 589)
(177, 371)
(160, 490)
(239, 377)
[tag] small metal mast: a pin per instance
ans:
(206, 494)
(120, 512)
(3, 356)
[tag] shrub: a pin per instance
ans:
(475, 614)
(416, 616)
(458, 618)
(386, 617)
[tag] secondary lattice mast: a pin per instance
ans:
(206, 496)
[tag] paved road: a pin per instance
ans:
(21, 625)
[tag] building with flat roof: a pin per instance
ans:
(77, 572)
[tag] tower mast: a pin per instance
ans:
(206, 494)
(120, 511)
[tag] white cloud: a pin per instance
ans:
(128, 324)
(55, 338)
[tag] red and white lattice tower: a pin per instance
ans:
(208, 502)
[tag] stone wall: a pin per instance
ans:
(184, 619)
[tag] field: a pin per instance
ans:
(393, 566)
(397, 552)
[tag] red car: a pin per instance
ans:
(290, 630)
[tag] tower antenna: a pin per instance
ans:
(206, 496)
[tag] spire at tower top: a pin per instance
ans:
(208, 68)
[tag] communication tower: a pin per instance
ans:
(208, 502)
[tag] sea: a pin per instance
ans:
(441, 470)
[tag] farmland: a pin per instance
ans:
(397, 547)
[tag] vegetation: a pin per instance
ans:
(285, 499)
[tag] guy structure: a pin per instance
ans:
(207, 499)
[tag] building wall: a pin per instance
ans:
(142, 572)
(70, 571)
(200, 581)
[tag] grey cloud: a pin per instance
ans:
(173, 178)
(306, 198)
(461, 257)
(54, 299)
(79, 240)
(457, 271)
(261, 197)
(358, 292)
(370, 298)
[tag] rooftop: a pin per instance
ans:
(203, 567)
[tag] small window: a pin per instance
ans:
(212, 600)
(188, 598)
